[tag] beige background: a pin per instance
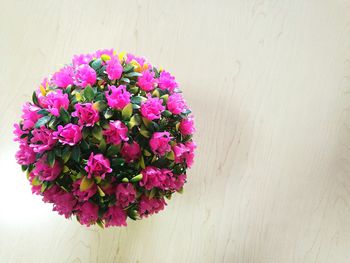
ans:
(269, 83)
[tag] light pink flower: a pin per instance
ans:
(69, 134)
(187, 126)
(64, 77)
(30, 115)
(115, 216)
(184, 153)
(160, 143)
(151, 177)
(86, 114)
(152, 108)
(146, 81)
(84, 75)
(45, 172)
(83, 195)
(131, 152)
(54, 101)
(176, 103)
(82, 59)
(25, 155)
(125, 194)
(149, 206)
(116, 132)
(117, 98)
(87, 213)
(166, 81)
(97, 166)
(114, 69)
(42, 140)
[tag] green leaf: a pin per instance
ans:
(137, 99)
(125, 180)
(142, 162)
(170, 156)
(89, 93)
(96, 64)
(128, 68)
(117, 162)
(76, 153)
(152, 193)
(102, 145)
(43, 112)
(86, 184)
(100, 191)
(136, 178)
(108, 113)
(135, 120)
(42, 121)
(133, 214)
(127, 111)
(100, 105)
(126, 80)
(145, 133)
(133, 74)
(51, 158)
(113, 150)
(43, 187)
(35, 99)
(64, 115)
(97, 132)
(147, 122)
(100, 223)
(166, 113)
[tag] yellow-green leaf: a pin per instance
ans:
(147, 122)
(127, 111)
(170, 156)
(136, 178)
(105, 57)
(145, 133)
(100, 192)
(142, 162)
(86, 184)
(125, 180)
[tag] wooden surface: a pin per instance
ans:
(269, 83)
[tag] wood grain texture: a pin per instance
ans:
(269, 83)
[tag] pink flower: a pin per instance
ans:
(42, 140)
(97, 166)
(45, 172)
(166, 81)
(151, 177)
(131, 152)
(87, 213)
(82, 59)
(160, 143)
(18, 132)
(131, 57)
(179, 182)
(36, 189)
(64, 77)
(184, 153)
(125, 194)
(114, 69)
(54, 101)
(176, 103)
(64, 203)
(115, 216)
(25, 155)
(147, 81)
(83, 195)
(117, 98)
(85, 75)
(69, 134)
(30, 115)
(86, 113)
(149, 206)
(187, 126)
(152, 108)
(50, 193)
(99, 53)
(116, 132)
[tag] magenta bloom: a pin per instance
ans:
(82, 59)
(85, 75)
(115, 216)
(97, 166)
(69, 134)
(184, 153)
(160, 143)
(100, 52)
(187, 126)
(131, 57)
(25, 155)
(176, 103)
(114, 69)
(42, 140)
(54, 101)
(125, 194)
(147, 82)
(116, 132)
(50, 194)
(18, 132)
(149, 206)
(151, 177)
(45, 172)
(86, 114)
(36, 189)
(83, 195)
(64, 77)
(166, 81)
(87, 213)
(117, 98)
(64, 203)
(152, 108)
(30, 115)
(131, 152)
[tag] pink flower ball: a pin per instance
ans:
(45, 172)
(85, 75)
(97, 166)
(131, 151)
(114, 69)
(146, 81)
(152, 108)
(187, 126)
(159, 143)
(149, 206)
(117, 98)
(115, 216)
(125, 194)
(176, 103)
(86, 114)
(116, 132)
(69, 134)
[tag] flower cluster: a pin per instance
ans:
(105, 138)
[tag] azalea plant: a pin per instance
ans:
(105, 138)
